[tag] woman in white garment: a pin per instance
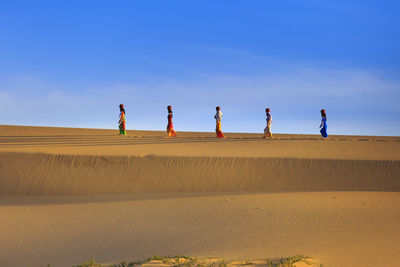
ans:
(267, 130)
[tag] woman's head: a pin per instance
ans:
(169, 109)
(323, 113)
(121, 108)
(267, 110)
(217, 108)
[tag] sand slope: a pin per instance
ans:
(239, 198)
(44, 174)
(337, 228)
(90, 161)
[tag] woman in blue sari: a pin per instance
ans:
(323, 125)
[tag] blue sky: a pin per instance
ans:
(71, 63)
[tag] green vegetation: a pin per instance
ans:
(186, 261)
(289, 262)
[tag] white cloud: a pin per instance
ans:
(295, 97)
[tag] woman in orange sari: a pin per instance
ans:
(170, 126)
(218, 117)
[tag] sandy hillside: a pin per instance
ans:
(67, 195)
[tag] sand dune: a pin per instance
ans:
(336, 228)
(142, 143)
(91, 161)
(70, 194)
(45, 174)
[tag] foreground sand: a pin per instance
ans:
(337, 228)
(237, 198)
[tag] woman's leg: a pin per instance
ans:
(267, 132)
(122, 129)
(170, 130)
(218, 130)
(323, 132)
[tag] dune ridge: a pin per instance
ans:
(50, 174)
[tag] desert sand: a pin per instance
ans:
(67, 195)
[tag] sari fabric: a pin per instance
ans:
(267, 130)
(218, 130)
(170, 126)
(122, 124)
(324, 127)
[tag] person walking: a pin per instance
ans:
(323, 125)
(218, 117)
(170, 126)
(122, 120)
(267, 130)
